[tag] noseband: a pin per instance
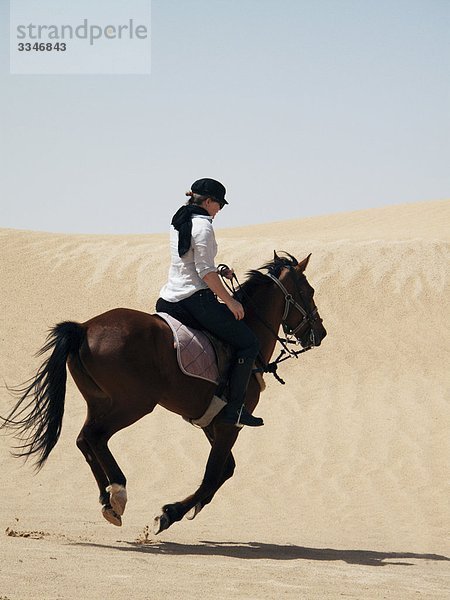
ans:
(289, 300)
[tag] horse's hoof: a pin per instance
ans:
(117, 497)
(191, 514)
(161, 523)
(111, 516)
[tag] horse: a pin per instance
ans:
(124, 364)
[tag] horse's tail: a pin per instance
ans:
(37, 417)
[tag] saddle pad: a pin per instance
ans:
(195, 353)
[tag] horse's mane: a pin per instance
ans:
(255, 277)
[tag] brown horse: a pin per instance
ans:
(124, 364)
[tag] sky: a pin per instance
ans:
(299, 107)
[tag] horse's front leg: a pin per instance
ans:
(224, 438)
(227, 473)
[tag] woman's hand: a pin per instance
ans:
(236, 308)
(214, 283)
(227, 273)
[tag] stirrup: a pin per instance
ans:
(241, 417)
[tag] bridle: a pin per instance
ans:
(308, 318)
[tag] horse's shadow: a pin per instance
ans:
(260, 550)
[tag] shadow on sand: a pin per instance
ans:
(259, 550)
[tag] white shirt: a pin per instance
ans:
(186, 273)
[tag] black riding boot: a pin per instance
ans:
(235, 412)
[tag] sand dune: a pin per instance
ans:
(348, 475)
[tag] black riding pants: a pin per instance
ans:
(219, 320)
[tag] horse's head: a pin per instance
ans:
(301, 317)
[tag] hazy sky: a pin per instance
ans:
(300, 107)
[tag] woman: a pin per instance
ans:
(194, 287)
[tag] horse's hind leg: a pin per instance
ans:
(109, 476)
(102, 426)
(112, 497)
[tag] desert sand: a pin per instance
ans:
(342, 494)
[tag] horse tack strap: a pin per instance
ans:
(288, 299)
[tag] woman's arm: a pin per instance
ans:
(214, 283)
(205, 248)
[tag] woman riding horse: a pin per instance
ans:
(194, 287)
(124, 363)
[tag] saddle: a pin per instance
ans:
(200, 354)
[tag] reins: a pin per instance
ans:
(286, 352)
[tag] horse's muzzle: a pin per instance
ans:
(315, 336)
(319, 332)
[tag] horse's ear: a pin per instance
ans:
(275, 256)
(304, 263)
